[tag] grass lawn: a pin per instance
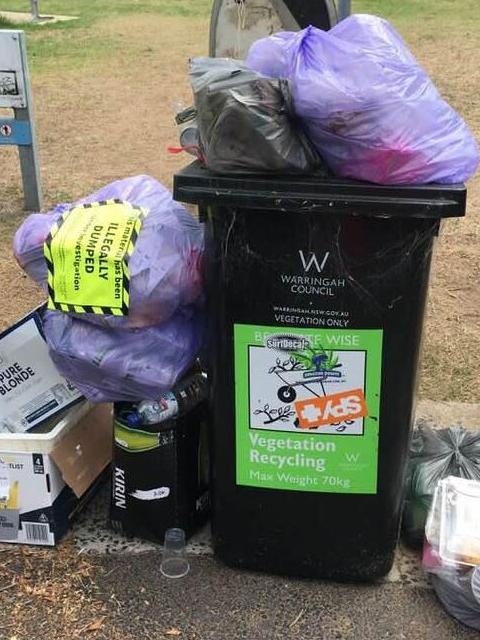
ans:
(442, 12)
(105, 86)
(57, 42)
(67, 45)
(73, 44)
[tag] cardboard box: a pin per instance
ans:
(46, 478)
(31, 390)
(160, 478)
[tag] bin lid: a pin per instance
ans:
(319, 194)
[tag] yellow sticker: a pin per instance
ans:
(87, 254)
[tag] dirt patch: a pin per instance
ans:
(451, 361)
(114, 119)
(51, 594)
(101, 124)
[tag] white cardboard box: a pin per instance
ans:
(46, 478)
(31, 389)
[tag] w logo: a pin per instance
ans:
(312, 261)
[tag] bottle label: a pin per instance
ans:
(307, 408)
(190, 392)
(160, 411)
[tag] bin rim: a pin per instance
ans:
(316, 193)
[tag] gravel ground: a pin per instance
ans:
(215, 602)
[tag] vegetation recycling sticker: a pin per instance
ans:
(87, 254)
(307, 408)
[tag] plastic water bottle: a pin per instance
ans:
(152, 412)
(183, 397)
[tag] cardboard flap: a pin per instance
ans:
(86, 450)
(32, 391)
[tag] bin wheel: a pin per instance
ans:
(286, 394)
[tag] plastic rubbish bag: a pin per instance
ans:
(436, 454)
(451, 527)
(454, 590)
(368, 106)
(109, 365)
(457, 587)
(245, 122)
(166, 264)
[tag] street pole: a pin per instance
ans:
(19, 130)
(35, 10)
(344, 8)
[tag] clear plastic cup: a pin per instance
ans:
(174, 560)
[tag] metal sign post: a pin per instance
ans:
(35, 10)
(19, 130)
(344, 8)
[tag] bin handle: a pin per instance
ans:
(332, 202)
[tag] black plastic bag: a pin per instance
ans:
(245, 121)
(436, 454)
(457, 590)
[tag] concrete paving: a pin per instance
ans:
(216, 602)
(19, 17)
(446, 414)
(93, 536)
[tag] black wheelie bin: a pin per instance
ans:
(317, 290)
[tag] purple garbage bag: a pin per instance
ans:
(368, 106)
(109, 365)
(166, 264)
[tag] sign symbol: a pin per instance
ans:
(313, 261)
(6, 130)
(311, 413)
(318, 412)
(352, 457)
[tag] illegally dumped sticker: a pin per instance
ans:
(87, 254)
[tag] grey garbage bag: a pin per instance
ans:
(458, 589)
(245, 121)
(435, 454)
(456, 585)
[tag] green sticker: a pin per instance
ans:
(307, 408)
(87, 254)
